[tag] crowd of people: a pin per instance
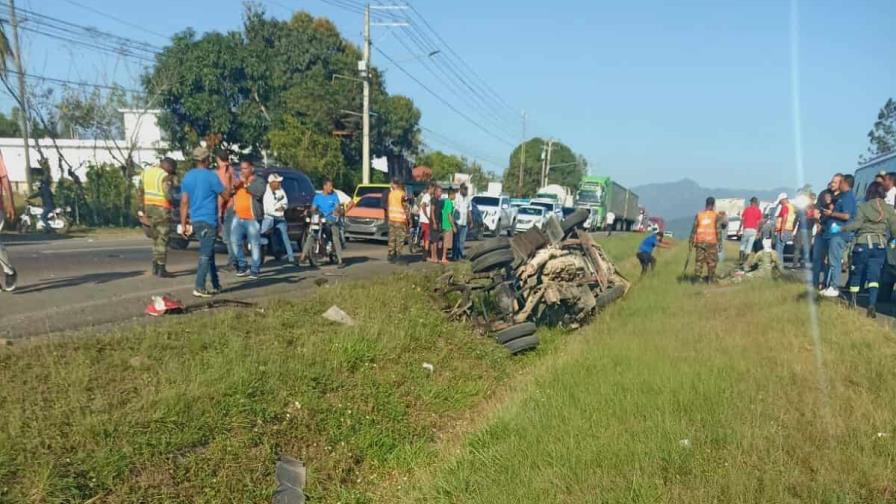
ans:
(245, 210)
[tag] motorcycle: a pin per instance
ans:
(8, 275)
(323, 235)
(30, 220)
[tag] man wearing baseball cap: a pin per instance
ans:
(275, 205)
(785, 222)
(201, 188)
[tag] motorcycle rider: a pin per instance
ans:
(45, 192)
(155, 192)
(326, 203)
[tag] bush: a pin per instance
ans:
(104, 198)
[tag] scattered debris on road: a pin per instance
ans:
(335, 314)
(161, 305)
(555, 276)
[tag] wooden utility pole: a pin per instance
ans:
(25, 123)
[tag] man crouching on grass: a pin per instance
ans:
(645, 251)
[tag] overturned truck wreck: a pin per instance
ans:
(554, 276)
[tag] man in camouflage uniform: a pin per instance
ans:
(397, 214)
(155, 192)
(706, 240)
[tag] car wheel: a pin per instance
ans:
(514, 332)
(489, 246)
(493, 260)
(606, 298)
(523, 344)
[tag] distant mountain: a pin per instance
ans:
(674, 201)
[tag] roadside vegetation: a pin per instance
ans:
(685, 393)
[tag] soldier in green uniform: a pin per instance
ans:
(155, 192)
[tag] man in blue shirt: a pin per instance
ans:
(843, 213)
(645, 250)
(325, 203)
(199, 199)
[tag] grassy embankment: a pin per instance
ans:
(691, 394)
(196, 408)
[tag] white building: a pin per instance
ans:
(141, 131)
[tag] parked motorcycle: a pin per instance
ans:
(30, 220)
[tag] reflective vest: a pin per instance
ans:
(706, 227)
(154, 187)
(789, 220)
(396, 207)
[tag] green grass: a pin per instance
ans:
(197, 408)
(685, 393)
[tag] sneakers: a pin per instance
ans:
(202, 293)
(243, 273)
(253, 276)
(830, 292)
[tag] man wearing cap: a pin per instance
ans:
(785, 222)
(750, 219)
(155, 192)
(201, 188)
(275, 205)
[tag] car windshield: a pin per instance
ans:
(528, 210)
(486, 201)
(370, 201)
(547, 206)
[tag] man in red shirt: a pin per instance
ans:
(749, 228)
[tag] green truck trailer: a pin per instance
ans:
(601, 195)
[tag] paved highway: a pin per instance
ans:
(70, 283)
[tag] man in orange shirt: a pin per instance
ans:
(247, 209)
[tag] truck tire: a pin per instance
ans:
(489, 246)
(514, 332)
(493, 260)
(523, 344)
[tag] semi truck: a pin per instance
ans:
(601, 195)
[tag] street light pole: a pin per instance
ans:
(364, 67)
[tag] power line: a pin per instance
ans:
(122, 21)
(111, 50)
(445, 140)
(443, 100)
(74, 83)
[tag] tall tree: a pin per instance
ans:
(567, 168)
(444, 166)
(883, 135)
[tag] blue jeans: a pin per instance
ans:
(780, 242)
(246, 229)
(206, 234)
(867, 262)
(836, 247)
(460, 237)
(819, 254)
(279, 224)
(225, 236)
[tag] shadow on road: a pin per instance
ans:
(74, 281)
(264, 281)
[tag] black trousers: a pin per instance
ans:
(647, 261)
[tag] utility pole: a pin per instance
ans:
(364, 67)
(519, 187)
(547, 164)
(23, 99)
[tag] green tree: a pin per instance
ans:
(444, 166)
(567, 167)
(883, 135)
(9, 127)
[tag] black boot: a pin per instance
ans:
(872, 311)
(155, 268)
(161, 272)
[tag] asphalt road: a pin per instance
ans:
(72, 283)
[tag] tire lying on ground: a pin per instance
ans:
(522, 344)
(574, 220)
(489, 246)
(609, 296)
(514, 332)
(493, 260)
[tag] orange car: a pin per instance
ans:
(366, 219)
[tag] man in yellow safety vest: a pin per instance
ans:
(155, 191)
(706, 240)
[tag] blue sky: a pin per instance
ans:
(648, 91)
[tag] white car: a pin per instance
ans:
(497, 216)
(549, 207)
(529, 216)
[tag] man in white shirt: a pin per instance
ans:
(275, 204)
(890, 187)
(462, 218)
(611, 219)
(423, 215)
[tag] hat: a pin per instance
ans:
(200, 153)
(274, 178)
(782, 196)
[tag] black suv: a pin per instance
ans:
(299, 193)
